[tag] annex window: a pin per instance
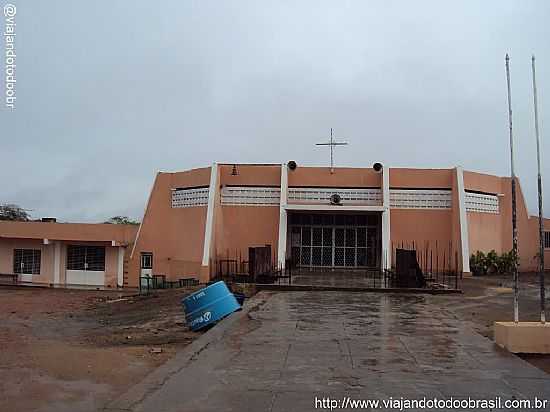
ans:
(26, 261)
(146, 260)
(547, 240)
(86, 258)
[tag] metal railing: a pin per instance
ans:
(438, 261)
(149, 283)
(232, 267)
(437, 266)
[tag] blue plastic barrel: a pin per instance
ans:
(209, 305)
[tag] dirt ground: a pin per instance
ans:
(487, 299)
(72, 350)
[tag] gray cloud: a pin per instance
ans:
(109, 92)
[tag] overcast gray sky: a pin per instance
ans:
(109, 92)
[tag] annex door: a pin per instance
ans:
(335, 240)
(85, 265)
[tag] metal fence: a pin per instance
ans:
(436, 266)
(260, 266)
(438, 261)
(150, 283)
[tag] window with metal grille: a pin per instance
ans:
(27, 261)
(547, 240)
(86, 258)
(146, 260)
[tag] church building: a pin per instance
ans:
(319, 218)
(326, 218)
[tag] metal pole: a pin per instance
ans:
(331, 153)
(539, 181)
(513, 177)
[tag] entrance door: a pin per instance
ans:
(146, 269)
(85, 265)
(336, 241)
(146, 264)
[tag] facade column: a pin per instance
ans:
(209, 226)
(386, 237)
(120, 270)
(57, 263)
(463, 220)
(283, 218)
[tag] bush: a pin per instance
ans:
(506, 262)
(492, 261)
(481, 264)
(478, 264)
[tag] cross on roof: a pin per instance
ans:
(332, 143)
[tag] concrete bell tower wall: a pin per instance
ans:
(175, 236)
(426, 228)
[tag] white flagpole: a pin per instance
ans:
(539, 182)
(513, 177)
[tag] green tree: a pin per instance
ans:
(13, 212)
(122, 220)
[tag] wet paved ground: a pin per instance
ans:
(302, 345)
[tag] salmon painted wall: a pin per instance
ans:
(432, 230)
(528, 235)
(123, 234)
(246, 226)
(237, 228)
(250, 175)
(421, 178)
(487, 231)
(47, 269)
(65, 234)
(111, 261)
(46, 257)
(343, 177)
(529, 244)
(63, 264)
(533, 244)
(429, 230)
(419, 225)
(111, 266)
(494, 231)
(175, 236)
